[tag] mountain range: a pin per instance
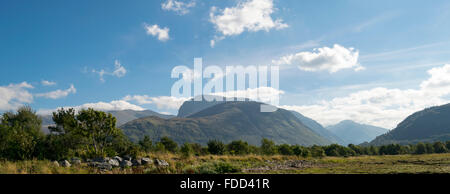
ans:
(227, 121)
(355, 133)
(429, 125)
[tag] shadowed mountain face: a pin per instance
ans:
(226, 122)
(318, 128)
(429, 125)
(122, 116)
(354, 133)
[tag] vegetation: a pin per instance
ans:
(89, 133)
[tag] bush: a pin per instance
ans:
(238, 147)
(439, 147)
(186, 150)
(216, 147)
(268, 147)
(146, 144)
(285, 149)
(169, 144)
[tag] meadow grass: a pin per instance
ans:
(277, 164)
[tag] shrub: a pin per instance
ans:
(216, 147)
(186, 150)
(285, 149)
(268, 147)
(169, 144)
(238, 147)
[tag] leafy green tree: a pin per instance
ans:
(169, 144)
(20, 134)
(98, 128)
(421, 148)
(199, 150)
(301, 151)
(447, 144)
(430, 148)
(439, 147)
(186, 150)
(146, 144)
(285, 149)
(317, 151)
(216, 147)
(238, 147)
(268, 147)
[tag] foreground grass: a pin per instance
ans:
(430, 163)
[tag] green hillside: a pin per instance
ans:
(226, 122)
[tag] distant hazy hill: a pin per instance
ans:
(318, 128)
(354, 133)
(429, 125)
(122, 117)
(226, 122)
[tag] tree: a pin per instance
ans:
(146, 144)
(317, 151)
(439, 147)
(169, 144)
(268, 147)
(238, 147)
(447, 144)
(421, 148)
(98, 128)
(285, 149)
(186, 150)
(216, 147)
(20, 134)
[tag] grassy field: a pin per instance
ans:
(431, 163)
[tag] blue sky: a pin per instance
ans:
(68, 43)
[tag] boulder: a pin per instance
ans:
(126, 164)
(137, 162)
(65, 163)
(161, 163)
(119, 159)
(104, 166)
(113, 162)
(146, 161)
(127, 158)
(55, 163)
(76, 161)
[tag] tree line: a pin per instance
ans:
(90, 133)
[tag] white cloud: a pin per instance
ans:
(57, 94)
(248, 15)
(102, 106)
(323, 59)
(178, 6)
(382, 106)
(154, 30)
(47, 83)
(15, 95)
(161, 102)
(261, 94)
(119, 71)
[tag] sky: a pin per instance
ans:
(374, 62)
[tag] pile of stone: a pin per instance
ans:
(107, 164)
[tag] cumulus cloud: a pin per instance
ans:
(178, 6)
(119, 71)
(382, 106)
(323, 59)
(154, 30)
(248, 15)
(15, 95)
(47, 83)
(103, 106)
(57, 94)
(161, 102)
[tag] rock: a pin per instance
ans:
(146, 161)
(113, 162)
(93, 164)
(76, 161)
(126, 164)
(104, 166)
(127, 158)
(65, 163)
(101, 159)
(163, 163)
(136, 162)
(119, 159)
(55, 163)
